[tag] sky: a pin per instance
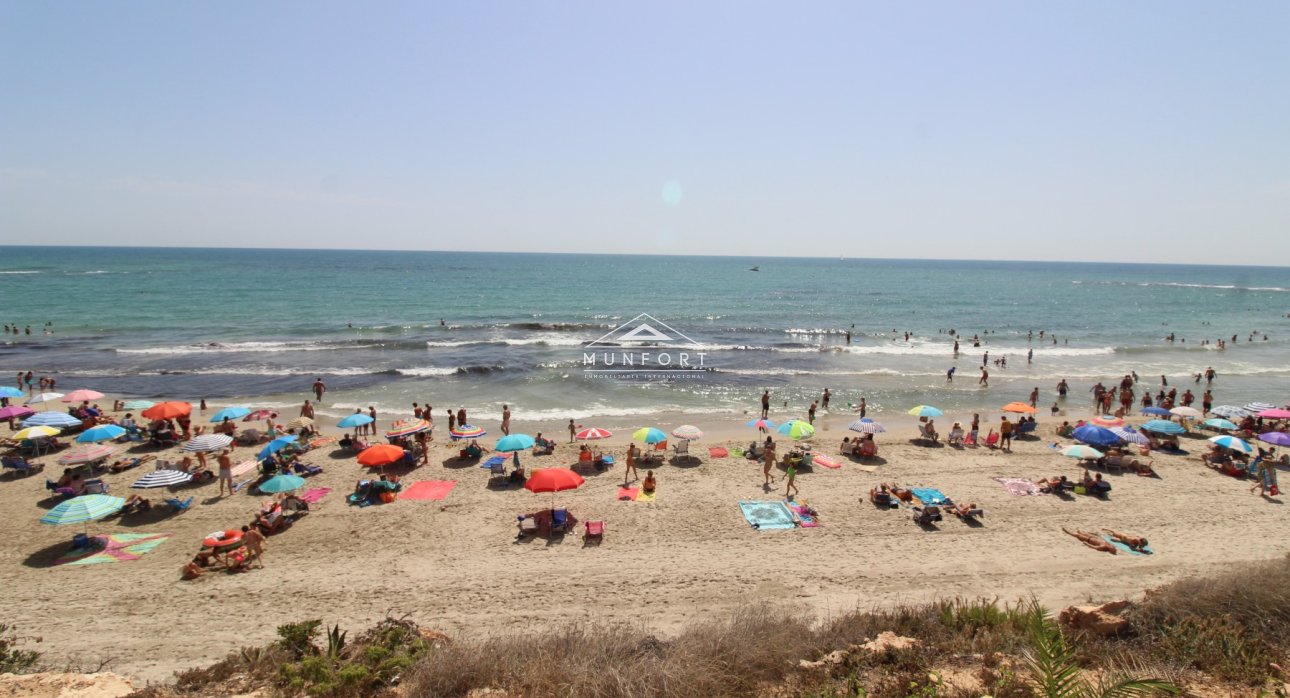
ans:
(1091, 131)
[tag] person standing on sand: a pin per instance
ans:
(371, 412)
(254, 541)
(452, 420)
(1005, 434)
(976, 428)
(790, 474)
(225, 472)
(631, 462)
(203, 407)
(506, 420)
(768, 458)
(765, 404)
(319, 388)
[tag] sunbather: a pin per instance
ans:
(967, 511)
(1136, 543)
(1053, 485)
(1093, 541)
(135, 504)
(900, 493)
(956, 435)
(649, 483)
(881, 496)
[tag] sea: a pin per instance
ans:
(382, 328)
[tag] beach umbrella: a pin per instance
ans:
(1230, 411)
(37, 432)
(553, 480)
(762, 424)
(300, 422)
(1161, 426)
(1233, 443)
(1274, 413)
(276, 445)
(82, 395)
(407, 427)
(466, 431)
(866, 426)
(102, 432)
(512, 443)
(168, 410)
(16, 412)
(357, 419)
(1018, 407)
(687, 432)
(83, 509)
(1107, 421)
(87, 454)
(1156, 411)
(269, 414)
(1217, 423)
(1257, 407)
(137, 404)
(927, 411)
(230, 413)
(649, 435)
(1276, 438)
(594, 433)
(51, 419)
(1128, 435)
(796, 429)
(380, 455)
(1095, 436)
(1082, 452)
(1190, 412)
(165, 477)
(43, 397)
(281, 483)
(207, 443)
(6, 391)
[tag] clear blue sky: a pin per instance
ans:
(1139, 131)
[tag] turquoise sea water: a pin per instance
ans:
(259, 325)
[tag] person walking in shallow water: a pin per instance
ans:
(765, 404)
(319, 388)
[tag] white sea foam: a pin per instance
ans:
(251, 347)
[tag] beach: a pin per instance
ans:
(455, 564)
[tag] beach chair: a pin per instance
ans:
(21, 466)
(179, 504)
(926, 516)
(58, 491)
(593, 530)
(682, 449)
(528, 526)
(497, 472)
(560, 521)
(660, 449)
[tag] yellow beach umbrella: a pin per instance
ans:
(36, 433)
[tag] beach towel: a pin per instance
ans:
(244, 467)
(117, 547)
(321, 441)
(627, 494)
(737, 452)
(826, 461)
(718, 452)
(1126, 549)
(428, 489)
(646, 496)
(1019, 486)
(767, 515)
(929, 496)
(315, 495)
(804, 519)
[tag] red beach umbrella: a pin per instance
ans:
(168, 410)
(553, 480)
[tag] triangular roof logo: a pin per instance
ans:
(643, 328)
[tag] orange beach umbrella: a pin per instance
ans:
(1020, 407)
(168, 410)
(380, 455)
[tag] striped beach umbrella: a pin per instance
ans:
(407, 427)
(866, 426)
(1107, 421)
(1082, 452)
(102, 432)
(927, 411)
(36, 433)
(1216, 423)
(594, 433)
(1230, 411)
(1129, 435)
(300, 423)
(281, 483)
(466, 431)
(43, 397)
(1232, 443)
(87, 454)
(1161, 426)
(82, 395)
(357, 419)
(207, 443)
(796, 429)
(137, 404)
(1251, 407)
(162, 478)
(763, 424)
(234, 412)
(51, 419)
(687, 432)
(649, 435)
(83, 509)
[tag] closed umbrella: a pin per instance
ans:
(1216, 423)
(230, 413)
(16, 412)
(926, 411)
(83, 509)
(594, 433)
(357, 419)
(87, 454)
(281, 483)
(36, 433)
(1233, 443)
(82, 395)
(168, 410)
(1095, 436)
(276, 445)
(207, 443)
(102, 432)
(43, 397)
(1082, 452)
(380, 455)
(866, 426)
(687, 432)
(165, 477)
(649, 435)
(51, 419)
(1161, 426)
(797, 430)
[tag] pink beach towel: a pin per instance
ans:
(627, 494)
(1019, 486)
(315, 495)
(826, 461)
(718, 452)
(428, 489)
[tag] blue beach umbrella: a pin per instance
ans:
(762, 424)
(51, 419)
(357, 419)
(866, 426)
(276, 445)
(1233, 443)
(796, 429)
(1159, 411)
(494, 460)
(102, 432)
(282, 483)
(6, 391)
(230, 413)
(83, 509)
(1161, 426)
(649, 435)
(515, 442)
(1217, 423)
(925, 411)
(1095, 436)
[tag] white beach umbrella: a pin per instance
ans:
(44, 397)
(208, 442)
(162, 478)
(1185, 412)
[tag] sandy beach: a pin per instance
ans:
(455, 564)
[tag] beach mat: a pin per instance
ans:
(718, 452)
(1019, 486)
(804, 519)
(865, 468)
(767, 515)
(929, 496)
(627, 494)
(245, 467)
(428, 489)
(646, 496)
(315, 495)
(1126, 549)
(826, 461)
(117, 547)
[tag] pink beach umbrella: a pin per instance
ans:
(82, 395)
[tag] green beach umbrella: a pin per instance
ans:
(137, 404)
(83, 509)
(282, 483)
(1082, 452)
(796, 429)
